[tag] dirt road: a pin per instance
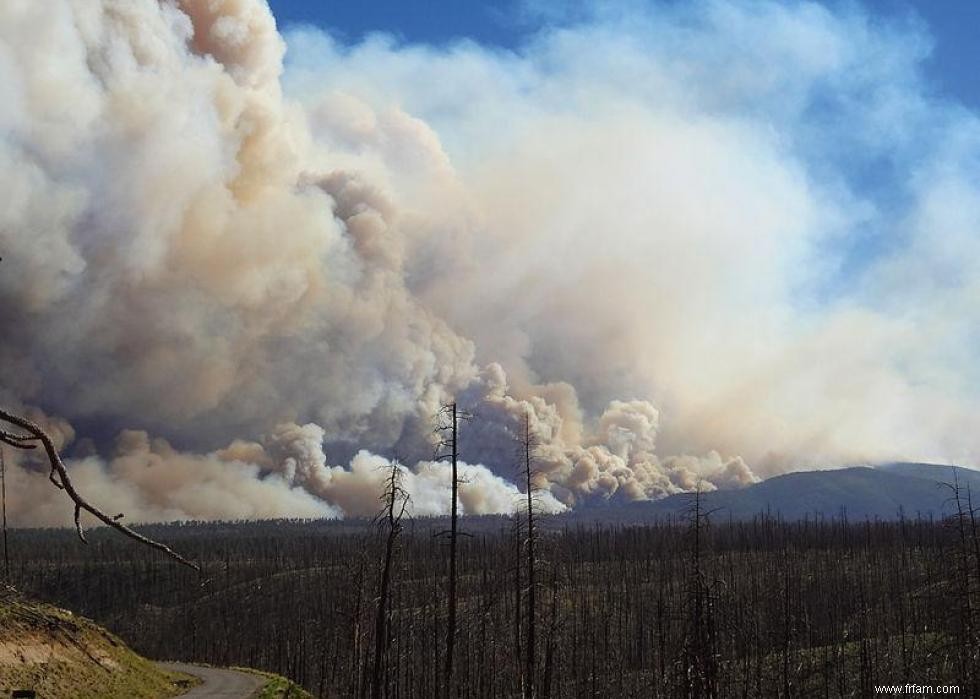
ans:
(218, 683)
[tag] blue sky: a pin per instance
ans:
(953, 24)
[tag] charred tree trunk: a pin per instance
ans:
(448, 672)
(701, 677)
(529, 684)
(449, 419)
(549, 658)
(395, 503)
(969, 643)
(518, 597)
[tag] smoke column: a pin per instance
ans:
(235, 284)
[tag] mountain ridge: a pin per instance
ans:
(884, 491)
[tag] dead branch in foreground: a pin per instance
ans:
(59, 477)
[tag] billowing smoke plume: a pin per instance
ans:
(229, 280)
(615, 454)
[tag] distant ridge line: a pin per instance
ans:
(884, 492)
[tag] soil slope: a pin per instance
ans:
(62, 656)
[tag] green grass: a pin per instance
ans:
(60, 655)
(276, 686)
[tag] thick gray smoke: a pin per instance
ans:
(246, 301)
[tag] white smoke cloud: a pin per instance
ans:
(638, 228)
(287, 476)
(675, 205)
(148, 480)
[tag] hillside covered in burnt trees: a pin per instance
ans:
(753, 608)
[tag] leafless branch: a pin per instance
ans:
(59, 477)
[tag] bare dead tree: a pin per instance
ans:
(395, 500)
(32, 434)
(974, 650)
(516, 538)
(357, 680)
(549, 656)
(700, 671)
(449, 419)
(969, 641)
(527, 447)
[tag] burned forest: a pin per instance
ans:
(703, 607)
